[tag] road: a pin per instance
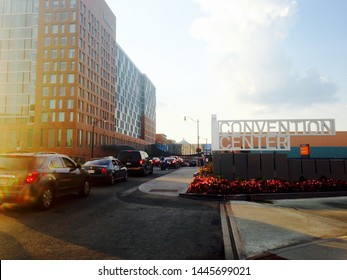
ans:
(114, 222)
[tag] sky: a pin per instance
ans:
(237, 59)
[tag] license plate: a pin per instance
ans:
(128, 163)
(3, 182)
(91, 171)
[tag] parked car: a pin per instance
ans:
(106, 170)
(38, 178)
(156, 161)
(136, 161)
(171, 162)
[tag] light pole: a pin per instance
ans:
(197, 122)
(94, 123)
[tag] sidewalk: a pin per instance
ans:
(171, 184)
(296, 229)
(276, 231)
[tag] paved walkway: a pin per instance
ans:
(298, 229)
(171, 184)
(277, 230)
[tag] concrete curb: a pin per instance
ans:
(263, 196)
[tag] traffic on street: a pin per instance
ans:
(114, 222)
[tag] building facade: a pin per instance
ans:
(136, 100)
(58, 78)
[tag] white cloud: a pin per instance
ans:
(249, 64)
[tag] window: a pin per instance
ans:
(70, 103)
(72, 28)
(64, 41)
(46, 66)
(42, 137)
(55, 4)
(59, 138)
(71, 78)
(44, 117)
(55, 28)
(53, 79)
(56, 163)
(47, 41)
(68, 163)
(72, 3)
(61, 117)
(71, 53)
(80, 138)
(54, 53)
(51, 138)
(64, 16)
(62, 91)
(30, 138)
(52, 104)
(62, 66)
(69, 138)
(45, 91)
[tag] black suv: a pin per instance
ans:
(136, 161)
(37, 178)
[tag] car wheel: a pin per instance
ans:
(85, 190)
(143, 172)
(112, 180)
(125, 178)
(46, 198)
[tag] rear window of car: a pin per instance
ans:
(97, 162)
(129, 156)
(20, 162)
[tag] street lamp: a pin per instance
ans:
(94, 123)
(197, 122)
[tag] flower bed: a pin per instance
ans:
(209, 184)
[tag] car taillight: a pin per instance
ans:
(31, 177)
(141, 161)
(103, 170)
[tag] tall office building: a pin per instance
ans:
(58, 77)
(136, 100)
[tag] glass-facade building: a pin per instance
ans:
(136, 100)
(58, 78)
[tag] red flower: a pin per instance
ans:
(209, 184)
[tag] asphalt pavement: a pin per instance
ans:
(294, 229)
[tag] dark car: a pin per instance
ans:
(38, 178)
(171, 162)
(106, 170)
(136, 161)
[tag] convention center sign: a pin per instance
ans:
(265, 135)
